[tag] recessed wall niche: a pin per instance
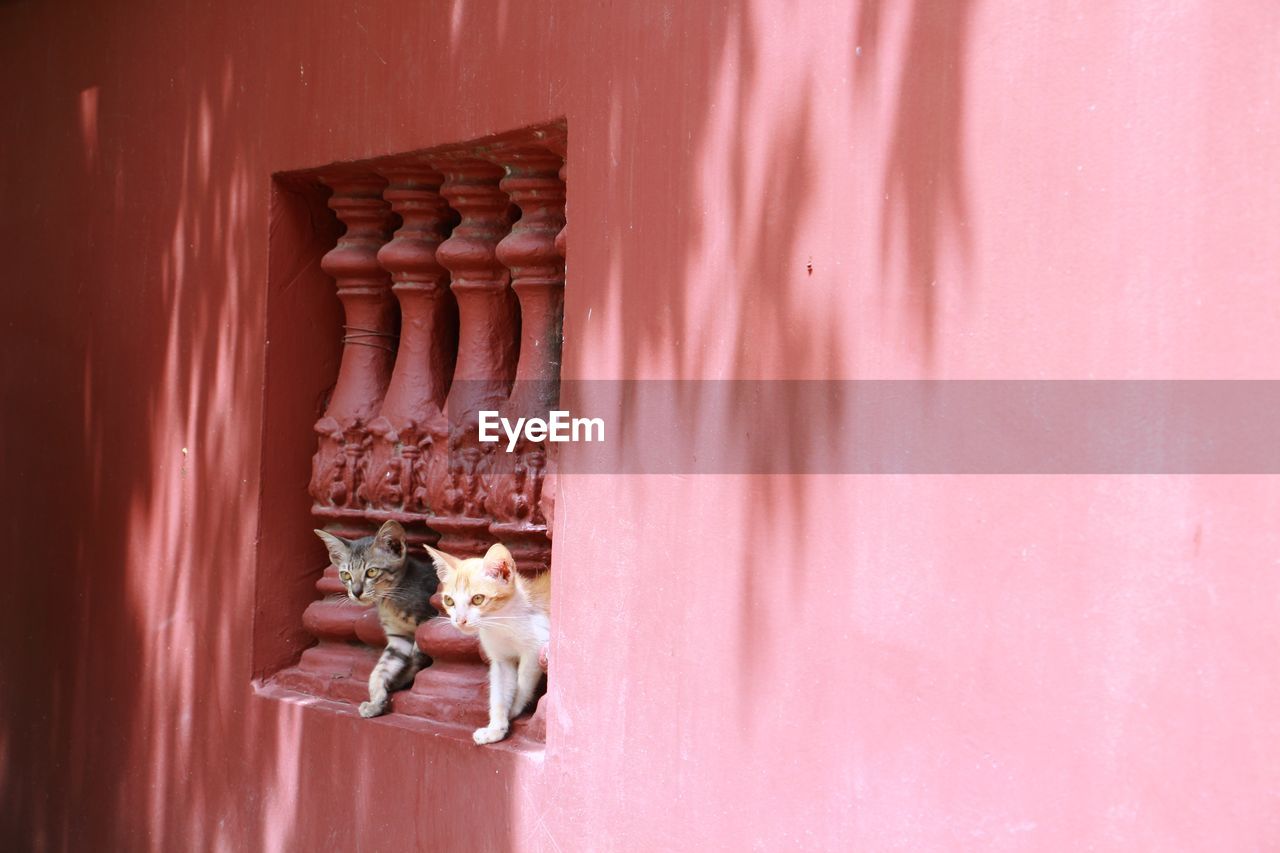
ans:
(407, 294)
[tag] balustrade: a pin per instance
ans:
(338, 480)
(459, 311)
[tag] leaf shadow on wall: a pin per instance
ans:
(925, 195)
(151, 398)
(721, 284)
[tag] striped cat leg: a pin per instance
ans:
(399, 661)
(502, 687)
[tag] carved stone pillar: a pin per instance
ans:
(537, 272)
(488, 335)
(488, 332)
(412, 415)
(334, 667)
(450, 688)
(339, 465)
(368, 351)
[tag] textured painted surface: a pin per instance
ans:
(759, 189)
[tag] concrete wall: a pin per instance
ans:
(758, 189)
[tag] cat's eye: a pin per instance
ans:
(372, 573)
(345, 575)
(477, 600)
(448, 602)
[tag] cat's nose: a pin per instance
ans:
(357, 590)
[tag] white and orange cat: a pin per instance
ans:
(512, 614)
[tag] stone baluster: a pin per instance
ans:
(454, 687)
(369, 344)
(488, 335)
(368, 352)
(488, 332)
(537, 270)
(412, 413)
(334, 666)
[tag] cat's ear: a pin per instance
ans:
(390, 539)
(498, 563)
(444, 562)
(339, 548)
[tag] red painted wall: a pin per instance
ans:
(1052, 190)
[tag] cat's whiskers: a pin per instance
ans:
(511, 629)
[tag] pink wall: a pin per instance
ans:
(1041, 190)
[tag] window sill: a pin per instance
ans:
(452, 716)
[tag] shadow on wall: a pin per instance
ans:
(755, 178)
(136, 725)
(150, 391)
(133, 725)
(925, 196)
(724, 284)
(169, 422)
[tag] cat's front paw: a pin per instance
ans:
(489, 734)
(372, 709)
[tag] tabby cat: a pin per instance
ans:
(379, 569)
(512, 615)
